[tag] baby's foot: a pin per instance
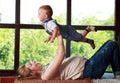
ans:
(91, 28)
(91, 42)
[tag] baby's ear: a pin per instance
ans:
(46, 16)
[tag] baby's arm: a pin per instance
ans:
(54, 34)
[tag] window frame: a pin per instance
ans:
(17, 26)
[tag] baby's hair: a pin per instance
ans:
(48, 9)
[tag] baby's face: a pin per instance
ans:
(42, 15)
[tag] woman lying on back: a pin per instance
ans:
(75, 67)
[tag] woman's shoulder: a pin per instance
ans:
(74, 58)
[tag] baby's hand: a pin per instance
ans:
(52, 39)
(48, 39)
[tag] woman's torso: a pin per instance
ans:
(71, 68)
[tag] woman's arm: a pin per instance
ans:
(53, 68)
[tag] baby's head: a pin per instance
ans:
(45, 12)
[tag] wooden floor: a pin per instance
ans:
(107, 78)
(105, 81)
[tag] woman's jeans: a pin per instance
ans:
(109, 53)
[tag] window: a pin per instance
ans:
(85, 50)
(7, 41)
(31, 16)
(22, 36)
(93, 12)
(7, 11)
(33, 48)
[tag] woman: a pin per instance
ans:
(76, 67)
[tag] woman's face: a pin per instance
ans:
(34, 67)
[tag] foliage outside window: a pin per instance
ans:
(7, 49)
(33, 48)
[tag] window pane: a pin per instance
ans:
(84, 49)
(7, 11)
(32, 6)
(7, 49)
(93, 12)
(33, 48)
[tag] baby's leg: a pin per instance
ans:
(87, 30)
(73, 35)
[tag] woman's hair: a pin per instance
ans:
(48, 9)
(25, 73)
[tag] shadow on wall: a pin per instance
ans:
(119, 39)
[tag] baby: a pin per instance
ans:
(45, 13)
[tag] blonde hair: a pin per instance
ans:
(48, 9)
(25, 73)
